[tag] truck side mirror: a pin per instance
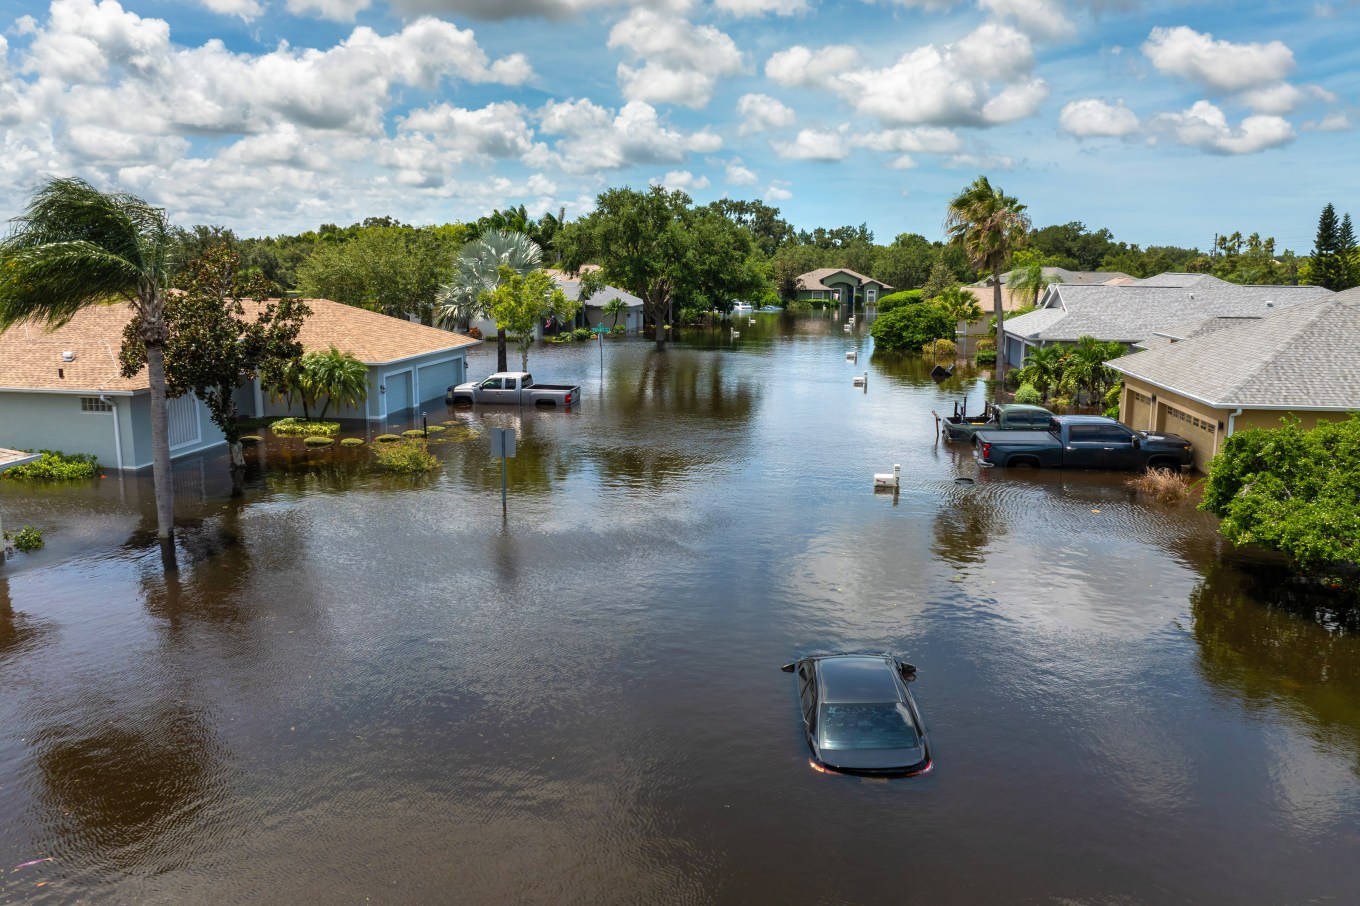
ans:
(787, 668)
(1137, 441)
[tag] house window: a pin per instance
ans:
(94, 404)
(871, 294)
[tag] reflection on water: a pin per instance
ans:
(365, 685)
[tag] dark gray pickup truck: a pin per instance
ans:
(1082, 442)
(1006, 417)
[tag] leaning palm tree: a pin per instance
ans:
(338, 376)
(989, 225)
(476, 274)
(1045, 368)
(74, 247)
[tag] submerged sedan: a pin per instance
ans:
(858, 715)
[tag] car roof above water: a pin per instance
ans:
(857, 678)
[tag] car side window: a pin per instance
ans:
(1116, 434)
(491, 384)
(1084, 434)
(807, 690)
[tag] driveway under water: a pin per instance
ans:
(360, 686)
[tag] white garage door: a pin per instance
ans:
(398, 392)
(438, 378)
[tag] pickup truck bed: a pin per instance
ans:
(514, 388)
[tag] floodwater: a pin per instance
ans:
(366, 688)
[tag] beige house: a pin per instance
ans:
(1231, 373)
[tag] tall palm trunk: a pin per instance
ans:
(502, 362)
(160, 444)
(1000, 334)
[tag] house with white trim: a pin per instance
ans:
(1135, 312)
(1230, 373)
(61, 389)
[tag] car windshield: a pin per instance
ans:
(875, 725)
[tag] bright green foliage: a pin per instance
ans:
(941, 349)
(27, 539)
(1073, 370)
(909, 328)
(985, 357)
(393, 269)
(658, 247)
(336, 376)
(478, 270)
(897, 300)
(1044, 369)
(352, 442)
(212, 347)
(615, 308)
(55, 465)
(1291, 490)
(386, 439)
(297, 427)
(799, 305)
(940, 279)
(1029, 395)
(523, 301)
(1111, 400)
(406, 456)
(1250, 259)
(317, 441)
(959, 304)
(542, 232)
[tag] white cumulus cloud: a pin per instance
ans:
(803, 67)
(761, 7)
(813, 144)
(335, 10)
(1206, 127)
(683, 180)
(760, 113)
(738, 174)
(245, 9)
(1042, 19)
(593, 139)
(1217, 65)
(681, 62)
(523, 9)
(778, 191)
(1091, 117)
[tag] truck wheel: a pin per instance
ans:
(1024, 463)
(462, 401)
(545, 404)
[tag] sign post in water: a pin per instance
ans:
(502, 448)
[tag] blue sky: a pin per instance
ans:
(1164, 121)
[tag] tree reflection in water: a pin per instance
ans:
(1265, 640)
(122, 785)
(18, 634)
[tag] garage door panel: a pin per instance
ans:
(436, 379)
(398, 392)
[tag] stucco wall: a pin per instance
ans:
(53, 421)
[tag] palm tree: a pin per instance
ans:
(989, 225)
(615, 307)
(959, 303)
(477, 274)
(1086, 368)
(1030, 281)
(74, 247)
(1045, 368)
(338, 376)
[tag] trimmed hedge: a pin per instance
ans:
(414, 432)
(352, 442)
(317, 441)
(298, 427)
(386, 439)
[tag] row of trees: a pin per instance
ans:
(1071, 371)
(1335, 262)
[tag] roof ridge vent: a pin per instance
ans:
(68, 356)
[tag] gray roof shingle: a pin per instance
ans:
(1131, 313)
(1306, 356)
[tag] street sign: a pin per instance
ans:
(600, 329)
(502, 443)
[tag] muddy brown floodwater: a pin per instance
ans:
(360, 687)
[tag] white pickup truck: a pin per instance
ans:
(514, 388)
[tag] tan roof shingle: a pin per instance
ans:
(31, 355)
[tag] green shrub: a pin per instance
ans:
(986, 344)
(941, 349)
(583, 333)
(910, 327)
(985, 357)
(414, 432)
(437, 429)
(55, 465)
(1060, 403)
(1293, 491)
(386, 439)
(618, 329)
(251, 440)
(1112, 399)
(352, 442)
(317, 441)
(297, 427)
(897, 300)
(408, 456)
(26, 539)
(799, 305)
(1028, 395)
